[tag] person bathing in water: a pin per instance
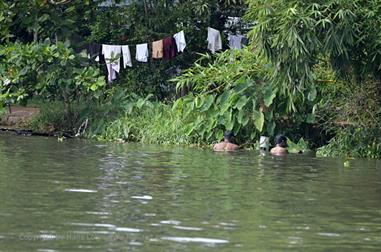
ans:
(280, 146)
(227, 144)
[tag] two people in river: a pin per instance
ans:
(229, 145)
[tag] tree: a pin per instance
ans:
(295, 34)
(147, 21)
(51, 71)
(37, 20)
(81, 22)
(6, 15)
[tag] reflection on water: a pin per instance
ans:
(85, 196)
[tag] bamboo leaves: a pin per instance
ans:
(295, 34)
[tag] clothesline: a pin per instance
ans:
(151, 41)
(166, 48)
(135, 44)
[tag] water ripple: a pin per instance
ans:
(81, 190)
(188, 228)
(195, 239)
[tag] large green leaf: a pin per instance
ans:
(211, 124)
(227, 116)
(259, 120)
(220, 134)
(208, 101)
(228, 120)
(268, 96)
(230, 125)
(228, 102)
(270, 128)
(234, 97)
(242, 118)
(242, 84)
(223, 98)
(241, 102)
(236, 130)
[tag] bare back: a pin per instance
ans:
(225, 146)
(279, 151)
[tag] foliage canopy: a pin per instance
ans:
(295, 34)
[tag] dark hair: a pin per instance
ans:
(281, 140)
(228, 135)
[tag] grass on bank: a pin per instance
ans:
(130, 121)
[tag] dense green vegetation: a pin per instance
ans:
(297, 36)
(311, 72)
(235, 93)
(50, 71)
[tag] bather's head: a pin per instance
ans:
(228, 136)
(281, 141)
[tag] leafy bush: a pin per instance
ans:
(6, 15)
(47, 70)
(352, 114)
(293, 34)
(148, 123)
(137, 119)
(354, 142)
(349, 104)
(235, 93)
(54, 118)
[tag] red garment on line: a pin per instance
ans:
(169, 48)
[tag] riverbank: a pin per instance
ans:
(18, 120)
(18, 116)
(237, 97)
(125, 119)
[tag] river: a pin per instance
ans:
(89, 196)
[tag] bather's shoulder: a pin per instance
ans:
(219, 146)
(278, 151)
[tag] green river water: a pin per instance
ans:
(89, 196)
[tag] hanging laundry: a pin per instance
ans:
(127, 61)
(180, 41)
(157, 49)
(169, 48)
(235, 41)
(214, 40)
(112, 55)
(142, 52)
(94, 51)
